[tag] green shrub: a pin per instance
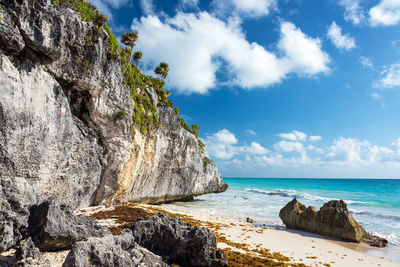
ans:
(113, 45)
(206, 162)
(87, 11)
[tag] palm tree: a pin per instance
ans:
(129, 39)
(137, 57)
(162, 70)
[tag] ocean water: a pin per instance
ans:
(374, 203)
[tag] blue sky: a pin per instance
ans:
(279, 88)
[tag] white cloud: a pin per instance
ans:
(197, 46)
(390, 77)
(187, 4)
(366, 62)
(106, 6)
(353, 157)
(293, 136)
(315, 138)
(347, 150)
(147, 6)
(386, 13)
(303, 53)
(247, 8)
(376, 96)
(342, 41)
(222, 145)
(353, 11)
(255, 149)
(288, 146)
(251, 132)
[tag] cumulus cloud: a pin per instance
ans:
(292, 152)
(288, 146)
(187, 4)
(293, 136)
(147, 6)
(390, 77)
(386, 13)
(353, 11)
(248, 8)
(251, 132)
(342, 41)
(223, 145)
(315, 138)
(196, 46)
(366, 62)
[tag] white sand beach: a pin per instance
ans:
(310, 249)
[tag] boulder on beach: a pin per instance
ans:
(120, 250)
(178, 242)
(54, 226)
(333, 219)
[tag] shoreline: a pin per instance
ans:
(277, 243)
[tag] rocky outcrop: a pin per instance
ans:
(178, 242)
(54, 226)
(29, 255)
(333, 219)
(61, 129)
(117, 251)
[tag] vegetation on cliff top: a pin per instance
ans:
(144, 114)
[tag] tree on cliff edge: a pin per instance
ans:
(162, 70)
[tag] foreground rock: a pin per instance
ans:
(178, 242)
(117, 251)
(333, 219)
(54, 226)
(29, 255)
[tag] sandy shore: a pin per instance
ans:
(251, 244)
(300, 247)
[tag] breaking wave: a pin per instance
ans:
(296, 194)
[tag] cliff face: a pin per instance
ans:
(66, 125)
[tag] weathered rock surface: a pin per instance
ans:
(59, 127)
(29, 255)
(178, 242)
(54, 226)
(13, 213)
(333, 219)
(111, 250)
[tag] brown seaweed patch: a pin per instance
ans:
(124, 215)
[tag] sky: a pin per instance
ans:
(280, 88)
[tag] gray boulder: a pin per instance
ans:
(54, 226)
(178, 242)
(29, 255)
(333, 219)
(110, 251)
(13, 213)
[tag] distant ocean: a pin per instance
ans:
(374, 203)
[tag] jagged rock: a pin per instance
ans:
(333, 219)
(13, 213)
(60, 129)
(111, 251)
(178, 242)
(54, 226)
(28, 255)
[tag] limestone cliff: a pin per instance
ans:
(66, 118)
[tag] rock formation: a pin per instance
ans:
(67, 127)
(333, 219)
(66, 117)
(54, 226)
(117, 251)
(178, 242)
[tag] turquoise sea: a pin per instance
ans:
(374, 203)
